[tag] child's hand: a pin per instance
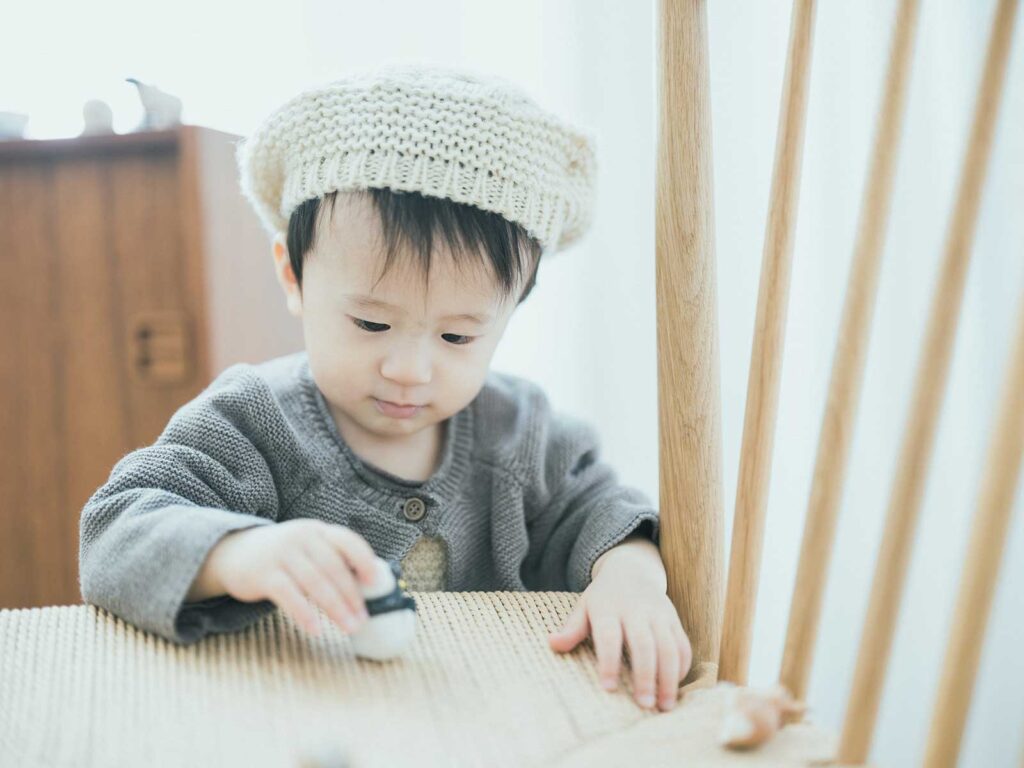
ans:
(286, 561)
(623, 600)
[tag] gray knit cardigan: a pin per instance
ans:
(521, 499)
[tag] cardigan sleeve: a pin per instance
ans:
(576, 508)
(219, 466)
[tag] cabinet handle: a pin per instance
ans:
(161, 349)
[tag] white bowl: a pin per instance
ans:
(12, 125)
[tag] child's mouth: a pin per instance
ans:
(396, 411)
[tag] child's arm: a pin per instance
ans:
(222, 464)
(595, 536)
(576, 509)
(207, 583)
(643, 553)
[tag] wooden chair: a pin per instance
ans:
(481, 686)
(689, 409)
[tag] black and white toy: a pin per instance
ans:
(392, 623)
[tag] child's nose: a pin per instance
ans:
(408, 363)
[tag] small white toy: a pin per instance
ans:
(392, 623)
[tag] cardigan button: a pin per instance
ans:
(414, 509)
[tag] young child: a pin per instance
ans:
(409, 209)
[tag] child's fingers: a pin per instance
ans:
(668, 666)
(287, 596)
(319, 587)
(606, 630)
(338, 570)
(574, 631)
(357, 551)
(685, 650)
(642, 655)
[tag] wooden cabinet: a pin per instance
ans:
(133, 272)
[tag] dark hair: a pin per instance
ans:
(414, 219)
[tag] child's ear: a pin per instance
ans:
(286, 277)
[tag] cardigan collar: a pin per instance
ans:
(376, 485)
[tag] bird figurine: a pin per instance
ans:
(392, 623)
(161, 110)
(98, 118)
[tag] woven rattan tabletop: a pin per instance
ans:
(479, 686)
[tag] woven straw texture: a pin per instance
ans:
(479, 686)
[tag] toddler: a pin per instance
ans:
(409, 209)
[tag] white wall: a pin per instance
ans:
(588, 332)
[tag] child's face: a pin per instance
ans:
(418, 352)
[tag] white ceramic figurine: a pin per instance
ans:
(98, 118)
(161, 110)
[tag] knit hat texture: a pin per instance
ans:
(455, 134)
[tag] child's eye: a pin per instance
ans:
(366, 325)
(452, 338)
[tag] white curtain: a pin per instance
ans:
(588, 332)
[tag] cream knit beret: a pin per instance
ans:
(443, 132)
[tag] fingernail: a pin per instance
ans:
(668, 704)
(645, 700)
(608, 683)
(363, 615)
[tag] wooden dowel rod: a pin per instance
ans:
(929, 387)
(766, 355)
(689, 405)
(847, 368)
(984, 555)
